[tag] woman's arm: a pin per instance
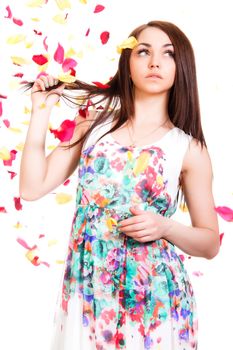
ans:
(202, 239)
(40, 174)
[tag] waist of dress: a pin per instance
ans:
(111, 209)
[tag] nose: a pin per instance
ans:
(154, 62)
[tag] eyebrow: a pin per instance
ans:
(149, 45)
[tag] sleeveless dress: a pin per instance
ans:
(118, 293)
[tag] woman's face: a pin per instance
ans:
(152, 64)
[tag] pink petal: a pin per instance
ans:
(87, 32)
(18, 75)
(23, 243)
(6, 122)
(40, 59)
(59, 54)
(100, 85)
(3, 96)
(44, 43)
(182, 257)
(3, 210)
(99, 8)
(104, 37)
(17, 21)
(13, 156)
(225, 212)
(0, 108)
(65, 131)
(12, 174)
(18, 205)
(68, 63)
(9, 13)
(221, 237)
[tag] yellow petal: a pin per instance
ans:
(19, 60)
(83, 2)
(15, 130)
(20, 146)
(141, 163)
(26, 110)
(15, 39)
(129, 43)
(35, 19)
(29, 44)
(51, 147)
(184, 208)
(61, 19)
(52, 242)
(44, 67)
(62, 198)
(80, 54)
(36, 3)
(43, 105)
(63, 4)
(25, 122)
(66, 78)
(18, 225)
(70, 53)
(60, 262)
(31, 254)
(4, 153)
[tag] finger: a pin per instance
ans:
(38, 85)
(131, 221)
(133, 228)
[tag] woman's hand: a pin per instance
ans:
(144, 226)
(46, 92)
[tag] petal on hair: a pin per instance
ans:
(225, 212)
(101, 85)
(63, 4)
(99, 8)
(129, 43)
(40, 59)
(59, 54)
(17, 21)
(66, 78)
(65, 130)
(104, 37)
(9, 13)
(63, 198)
(69, 63)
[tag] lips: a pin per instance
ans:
(153, 75)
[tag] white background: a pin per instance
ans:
(28, 293)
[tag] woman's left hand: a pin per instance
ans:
(144, 226)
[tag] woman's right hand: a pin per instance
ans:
(46, 92)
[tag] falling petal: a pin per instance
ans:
(100, 85)
(104, 37)
(12, 174)
(15, 130)
(9, 13)
(39, 59)
(19, 61)
(12, 157)
(66, 78)
(60, 262)
(221, 237)
(37, 32)
(18, 205)
(4, 153)
(18, 75)
(59, 54)
(28, 45)
(225, 212)
(52, 242)
(37, 3)
(0, 108)
(62, 198)
(6, 122)
(129, 43)
(44, 43)
(20, 146)
(65, 130)
(3, 210)
(18, 225)
(17, 21)
(99, 8)
(183, 207)
(87, 32)
(197, 273)
(23, 243)
(68, 63)
(63, 4)
(83, 2)
(66, 182)
(15, 39)
(60, 19)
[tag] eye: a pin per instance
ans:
(143, 52)
(170, 53)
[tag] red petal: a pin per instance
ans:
(6, 122)
(13, 156)
(40, 59)
(225, 212)
(18, 205)
(221, 237)
(100, 85)
(87, 32)
(37, 32)
(68, 63)
(104, 37)
(3, 210)
(44, 43)
(12, 174)
(66, 182)
(17, 21)
(3, 96)
(72, 72)
(18, 75)
(99, 8)
(59, 54)
(9, 13)
(65, 131)
(0, 108)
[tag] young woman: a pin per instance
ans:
(125, 286)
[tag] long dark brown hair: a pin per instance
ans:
(118, 98)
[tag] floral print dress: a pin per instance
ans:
(118, 293)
